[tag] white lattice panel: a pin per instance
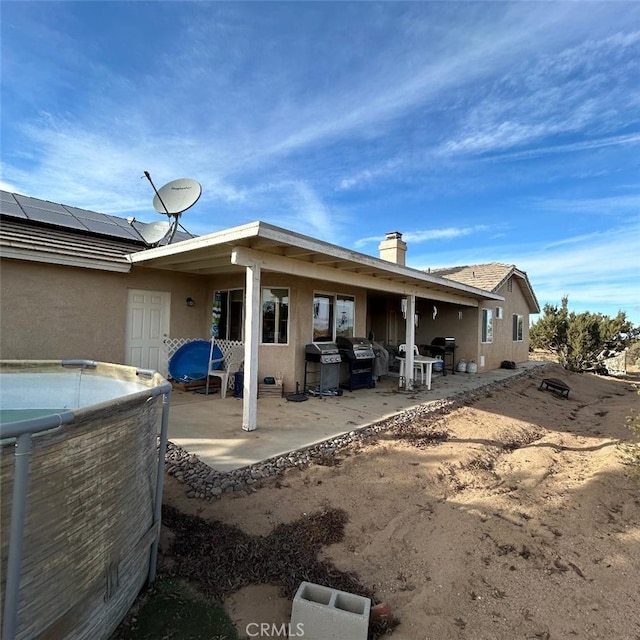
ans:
(171, 345)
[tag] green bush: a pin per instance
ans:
(582, 340)
(633, 354)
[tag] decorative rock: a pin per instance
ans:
(204, 482)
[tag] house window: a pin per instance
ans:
(275, 316)
(230, 321)
(487, 325)
(333, 315)
(345, 316)
(518, 327)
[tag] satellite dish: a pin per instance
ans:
(177, 196)
(153, 232)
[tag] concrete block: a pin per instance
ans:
(322, 613)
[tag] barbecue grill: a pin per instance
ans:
(444, 347)
(322, 364)
(357, 363)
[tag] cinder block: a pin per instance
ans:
(322, 613)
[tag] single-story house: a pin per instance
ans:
(81, 284)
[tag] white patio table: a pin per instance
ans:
(425, 361)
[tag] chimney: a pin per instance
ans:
(393, 248)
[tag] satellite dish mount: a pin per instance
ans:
(174, 198)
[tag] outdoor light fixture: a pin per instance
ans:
(191, 302)
(403, 307)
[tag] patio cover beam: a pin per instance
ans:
(245, 256)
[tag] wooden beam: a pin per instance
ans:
(247, 257)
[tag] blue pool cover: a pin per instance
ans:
(190, 362)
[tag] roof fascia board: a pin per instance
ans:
(231, 235)
(286, 237)
(243, 256)
(298, 241)
(66, 261)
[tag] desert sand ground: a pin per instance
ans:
(512, 517)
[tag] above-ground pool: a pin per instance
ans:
(80, 491)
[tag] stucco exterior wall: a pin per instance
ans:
(503, 346)
(290, 358)
(451, 321)
(54, 312)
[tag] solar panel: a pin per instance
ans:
(5, 196)
(26, 207)
(86, 214)
(11, 208)
(53, 217)
(26, 201)
(73, 218)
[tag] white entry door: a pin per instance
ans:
(147, 327)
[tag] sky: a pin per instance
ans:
(482, 131)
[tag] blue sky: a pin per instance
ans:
(483, 131)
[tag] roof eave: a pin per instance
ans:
(264, 231)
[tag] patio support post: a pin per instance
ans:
(252, 339)
(410, 340)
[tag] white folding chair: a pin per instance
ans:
(417, 366)
(227, 366)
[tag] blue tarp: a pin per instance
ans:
(191, 361)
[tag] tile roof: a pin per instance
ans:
(34, 210)
(490, 277)
(44, 231)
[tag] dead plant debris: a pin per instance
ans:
(221, 558)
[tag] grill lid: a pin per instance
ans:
(359, 348)
(324, 352)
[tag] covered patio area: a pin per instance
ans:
(209, 426)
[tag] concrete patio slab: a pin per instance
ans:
(211, 427)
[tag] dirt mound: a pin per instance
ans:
(512, 517)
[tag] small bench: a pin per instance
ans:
(553, 384)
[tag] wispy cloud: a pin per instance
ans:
(560, 93)
(424, 235)
(627, 205)
(330, 118)
(629, 140)
(595, 270)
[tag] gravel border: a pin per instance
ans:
(206, 483)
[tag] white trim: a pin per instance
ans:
(301, 253)
(244, 255)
